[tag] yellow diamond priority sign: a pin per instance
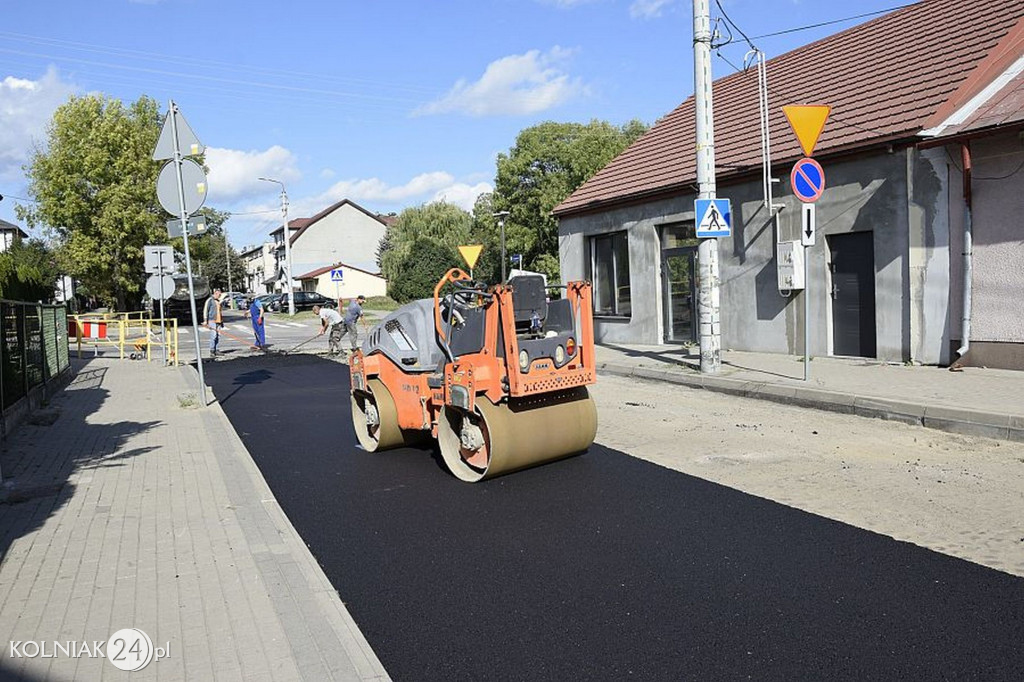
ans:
(471, 253)
(807, 121)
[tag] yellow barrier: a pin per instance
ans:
(119, 330)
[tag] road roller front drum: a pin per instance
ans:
(515, 434)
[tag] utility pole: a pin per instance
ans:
(501, 215)
(227, 263)
(287, 246)
(707, 252)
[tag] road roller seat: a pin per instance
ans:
(467, 337)
(528, 299)
(559, 317)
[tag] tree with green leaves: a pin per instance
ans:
(28, 271)
(547, 163)
(93, 184)
(438, 222)
(418, 271)
(94, 187)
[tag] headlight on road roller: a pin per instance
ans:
(524, 359)
(559, 355)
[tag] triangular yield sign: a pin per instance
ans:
(471, 253)
(807, 121)
(188, 143)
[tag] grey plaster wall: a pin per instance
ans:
(998, 227)
(929, 255)
(644, 326)
(884, 193)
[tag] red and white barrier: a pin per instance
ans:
(89, 329)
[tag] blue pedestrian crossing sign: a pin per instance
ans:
(337, 275)
(714, 218)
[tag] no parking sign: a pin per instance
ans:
(807, 180)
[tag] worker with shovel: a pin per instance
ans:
(330, 319)
(342, 326)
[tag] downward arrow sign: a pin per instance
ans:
(808, 214)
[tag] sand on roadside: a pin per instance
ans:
(960, 495)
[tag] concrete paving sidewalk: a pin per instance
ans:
(975, 401)
(128, 507)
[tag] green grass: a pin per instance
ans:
(381, 303)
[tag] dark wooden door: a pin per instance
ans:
(853, 294)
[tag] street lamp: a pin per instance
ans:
(501, 215)
(287, 245)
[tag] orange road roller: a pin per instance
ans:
(496, 375)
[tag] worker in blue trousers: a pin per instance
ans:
(258, 328)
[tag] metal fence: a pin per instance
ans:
(33, 347)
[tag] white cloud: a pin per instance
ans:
(462, 195)
(375, 194)
(648, 9)
(26, 107)
(513, 85)
(235, 173)
(376, 190)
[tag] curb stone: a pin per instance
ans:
(953, 420)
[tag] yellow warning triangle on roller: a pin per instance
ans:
(807, 121)
(471, 253)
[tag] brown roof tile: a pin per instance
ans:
(883, 79)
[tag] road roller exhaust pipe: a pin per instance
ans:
(497, 375)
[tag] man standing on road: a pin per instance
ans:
(214, 321)
(330, 319)
(352, 315)
(258, 329)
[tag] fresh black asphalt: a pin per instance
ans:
(603, 566)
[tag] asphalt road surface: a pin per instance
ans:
(602, 566)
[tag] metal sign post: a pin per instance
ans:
(808, 183)
(154, 260)
(163, 320)
(807, 233)
(169, 147)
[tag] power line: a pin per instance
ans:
(829, 23)
(734, 25)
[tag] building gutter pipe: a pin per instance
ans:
(965, 326)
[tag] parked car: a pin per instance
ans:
(304, 300)
(265, 299)
(235, 300)
(272, 302)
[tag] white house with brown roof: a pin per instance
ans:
(343, 281)
(924, 148)
(343, 232)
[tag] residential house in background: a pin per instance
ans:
(260, 268)
(924, 148)
(10, 232)
(344, 281)
(342, 233)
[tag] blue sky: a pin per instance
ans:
(389, 103)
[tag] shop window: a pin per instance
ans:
(609, 264)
